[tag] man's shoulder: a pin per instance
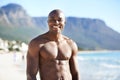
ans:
(69, 40)
(37, 40)
(34, 40)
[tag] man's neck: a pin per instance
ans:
(55, 37)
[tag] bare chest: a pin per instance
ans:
(52, 50)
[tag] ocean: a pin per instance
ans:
(99, 65)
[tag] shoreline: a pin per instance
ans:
(96, 51)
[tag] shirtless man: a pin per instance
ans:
(52, 54)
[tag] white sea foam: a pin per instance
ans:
(99, 67)
(110, 65)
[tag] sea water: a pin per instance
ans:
(99, 65)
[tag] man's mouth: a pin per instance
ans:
(56, 27)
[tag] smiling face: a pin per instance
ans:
(56, 21)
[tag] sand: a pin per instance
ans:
(12, 67)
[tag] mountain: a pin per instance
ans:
(14, 15)
(16, 24)
(92, 33)
(89, 34)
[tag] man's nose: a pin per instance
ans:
(56, 22)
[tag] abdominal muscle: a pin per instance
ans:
(55, 70)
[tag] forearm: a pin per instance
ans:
(31, 77)
(75, 76)
(31, 73)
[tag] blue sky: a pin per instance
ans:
(106, 10)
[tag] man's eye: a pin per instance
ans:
(59, 20)
(56, 20)
(52, 20)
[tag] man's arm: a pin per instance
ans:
(74, 62)
(32, 61)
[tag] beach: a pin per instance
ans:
(11, 66)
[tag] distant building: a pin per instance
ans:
(3, 45)
(6, 45)
(24, 47)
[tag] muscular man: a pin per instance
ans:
(53, 54)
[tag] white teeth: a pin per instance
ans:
(55, 26)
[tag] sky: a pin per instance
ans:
(106, 10)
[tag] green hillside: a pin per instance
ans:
(19, 33)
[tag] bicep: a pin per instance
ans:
(32, 63)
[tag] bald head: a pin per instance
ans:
(56, 12)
